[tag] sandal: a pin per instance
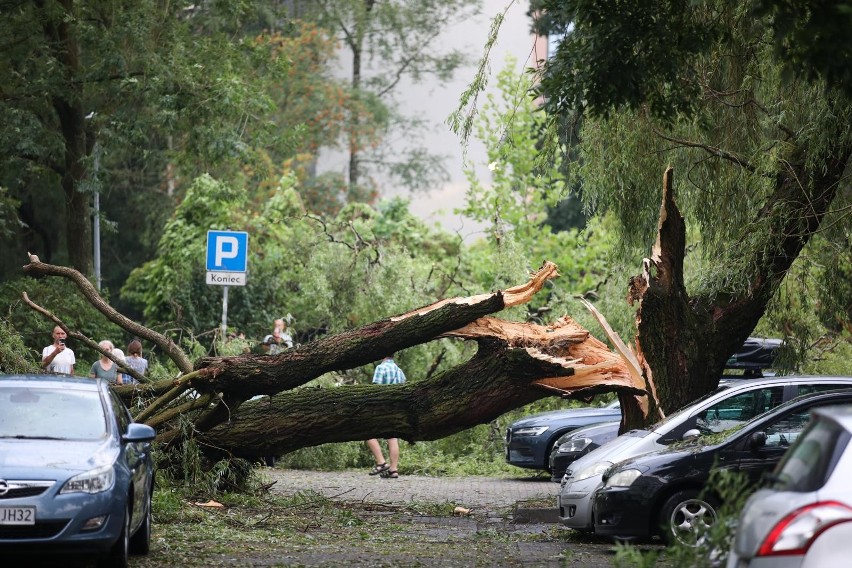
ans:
(379, 469)
(390, 474)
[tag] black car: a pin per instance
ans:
(530, 440)
(663, 493)
(578, 443)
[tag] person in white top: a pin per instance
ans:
(57, 357)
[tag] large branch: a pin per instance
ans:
(514, 365)
(262, 374)
(36, 267)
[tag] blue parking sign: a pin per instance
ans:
(227, 251)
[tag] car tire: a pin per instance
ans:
(685, 516)
(140, 542)
(118, 554)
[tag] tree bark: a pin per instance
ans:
(684, 341)
(77, 143)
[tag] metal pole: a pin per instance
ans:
(224, 313)
(97, 221)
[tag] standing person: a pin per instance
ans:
(104, 368)
(285, 340)
(387, 373)
(136, 361)
(119, 354)
(57, 357)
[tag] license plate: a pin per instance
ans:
(17, 515)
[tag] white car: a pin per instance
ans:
(804, 518)
(733, 402)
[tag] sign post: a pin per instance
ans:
(227, 261)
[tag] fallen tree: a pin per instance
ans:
(515, 363)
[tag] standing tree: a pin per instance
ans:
(762, 157)
(92, 89)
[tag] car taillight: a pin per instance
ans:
(795, 533)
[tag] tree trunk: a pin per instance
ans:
(70, 114)
(684, 342)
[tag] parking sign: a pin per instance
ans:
(227, 258)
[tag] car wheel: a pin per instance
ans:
(685, 517)
(117, 557)
(140, 542)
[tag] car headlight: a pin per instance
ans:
(592, 470)
(623, 478)
(576, 445)
(531, 431)
(94, 481)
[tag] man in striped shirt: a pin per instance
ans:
(387, 373)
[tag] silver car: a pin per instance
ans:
(733, 402)
(804, 518)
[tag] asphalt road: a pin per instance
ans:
(489, 495)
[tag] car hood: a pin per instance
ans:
(39, 458)
(555, 417)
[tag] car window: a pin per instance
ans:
(120, 411)
(738, 409)
(782, 433)
(809, 388)
(45, 413)
(809, 462)
(674, 416)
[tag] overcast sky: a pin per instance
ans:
(434, 103)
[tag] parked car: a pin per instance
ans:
(530, 440)
(663, 493)
(573, 445)
(804, 517)
(733, 402)
(76, 474)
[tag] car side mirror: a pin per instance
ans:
(691, 434)
(757, 440)
(138, 433)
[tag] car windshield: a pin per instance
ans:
(54, 414)
(688, 408)
(810, 460)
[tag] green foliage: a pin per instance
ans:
(15, 357)
(615, 55)
(520, 189)
(149, 85)
(29, 331)
(386, 43)
(331, 274)
(811, 39)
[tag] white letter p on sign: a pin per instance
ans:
(226, 247)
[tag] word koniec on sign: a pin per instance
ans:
(227, 278)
